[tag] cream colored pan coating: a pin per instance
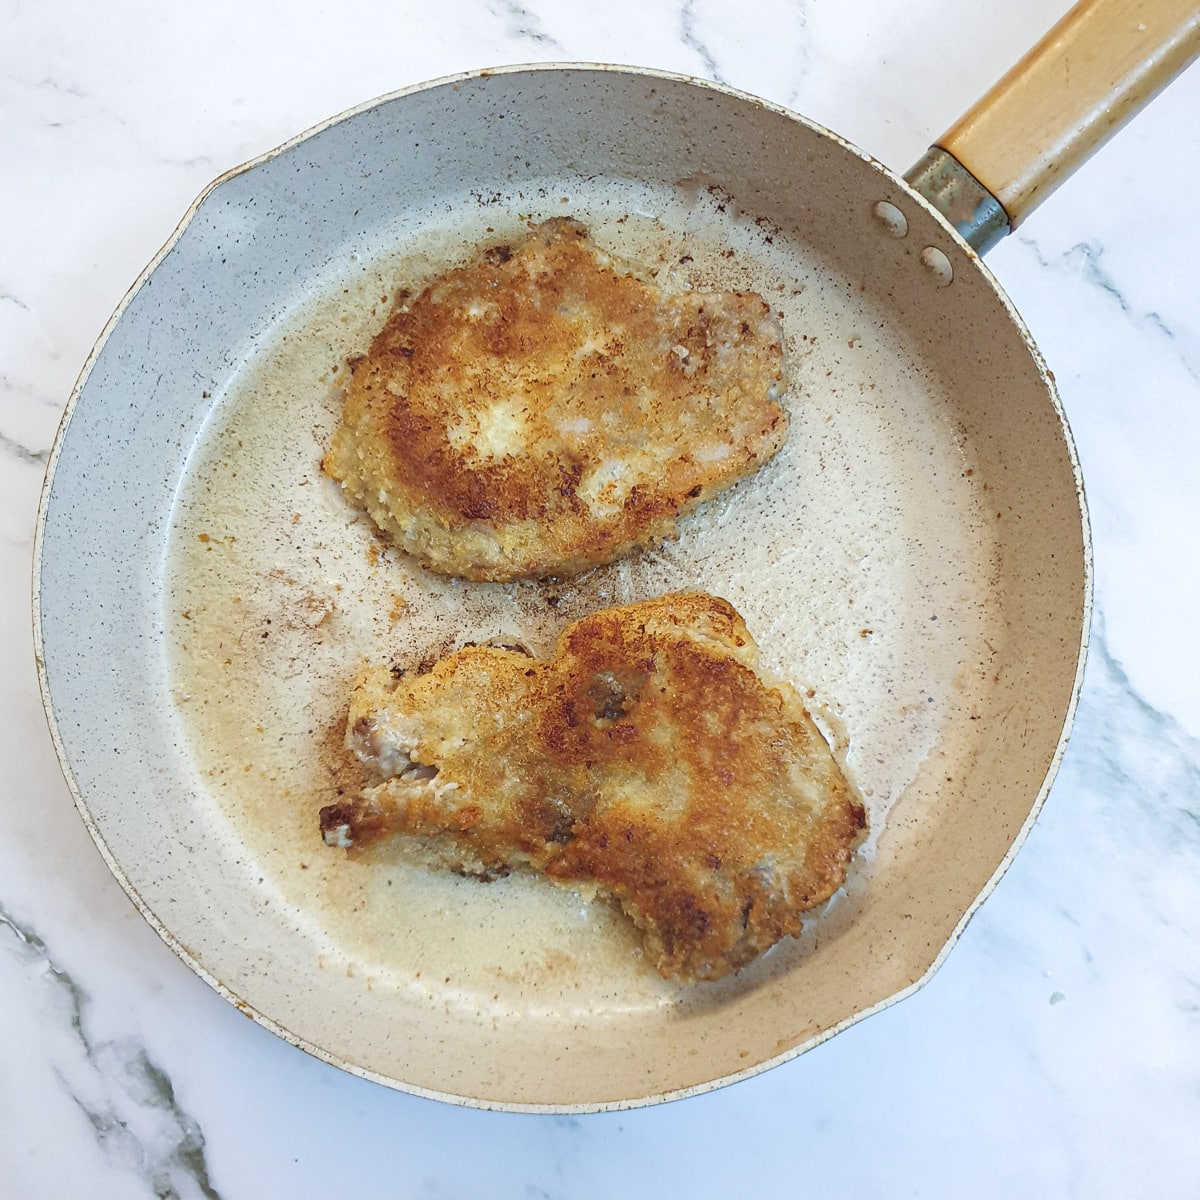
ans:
(913, 561)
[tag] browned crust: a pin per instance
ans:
(543, 409)
(647, 756)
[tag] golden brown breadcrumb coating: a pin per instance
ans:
(546, 408)
(648, 757)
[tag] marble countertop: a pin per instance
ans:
(1057, 1050)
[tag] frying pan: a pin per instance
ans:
(916, 558)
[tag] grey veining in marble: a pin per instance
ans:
(127, 1099)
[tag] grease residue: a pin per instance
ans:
(858, 558)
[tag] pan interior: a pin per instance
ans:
(869, 560)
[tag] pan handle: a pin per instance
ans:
(1098, 67)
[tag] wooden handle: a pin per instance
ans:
(1094, 70)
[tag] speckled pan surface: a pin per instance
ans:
(916, 556)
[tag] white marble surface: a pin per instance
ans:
(1056, 1053)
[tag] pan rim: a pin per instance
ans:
(174, 942)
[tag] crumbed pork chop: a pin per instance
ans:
(546, 408)
(647, 759)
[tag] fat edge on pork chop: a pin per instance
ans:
(547, 408)
(647, 759)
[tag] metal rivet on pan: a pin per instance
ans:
(938, 265)
(891, 219)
